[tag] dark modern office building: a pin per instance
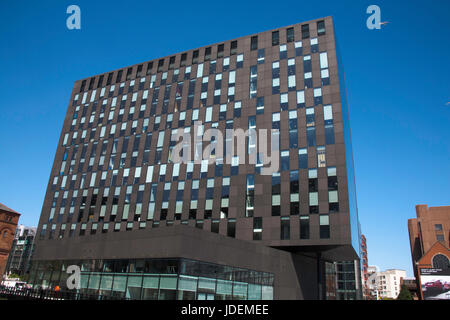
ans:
(143, 226)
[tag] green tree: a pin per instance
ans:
(404, 294)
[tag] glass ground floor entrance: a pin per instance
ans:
(156, 279)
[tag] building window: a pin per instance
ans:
(441, 262)
(231, 228)
(298, 49)
(328, 123)
(321, 28)
(275, 38)
(283, 52)
(220, 50)
(317, 96)
(160, 65)
(276, 193)
(304, 227)
(250, 196)
(291, 75)
(148, 72)
(233, 47)
(257, 228)
(321, 157)
(261, 56)
(314, 45)
(303, 158)
(305, 31)
(253, 81)
(260, 105)
(301, 99)
(438, 227)
(313, 187)
(285, 228)
(284, 103)
(293, 137)
(207, 54)
(324, 223)
(254, 43)
(239, 61)
(290, 35)
(284, 160)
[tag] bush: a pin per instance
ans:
(404, 294)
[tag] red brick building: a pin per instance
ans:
(429, 241)
(434, 273)
(8, 223)
(365, 266)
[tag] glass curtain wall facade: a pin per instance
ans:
(157, 279)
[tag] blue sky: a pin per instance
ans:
(397, 82)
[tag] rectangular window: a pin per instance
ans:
(317, 96)
(328, 122)
(332, 190)
(311, 136)
(305, 31)
(301, 99)
(233, 47)
(275, 38)
(261, 56)
(304, 227)
(200, 70)
(293, 133)
(283, 52)
(220, 50)
(321, 157)
(320, 28)
(207, 54)
(298, 49)
(239, 61)
(183, 59)
(160, 65)
(226, 64)
(254, 43)
(284, 160)
(324, 223)
(250, 196)
(260, 105)
(253, 81)
(323, 60)
(231, 228)
(149, 68)
(314, 45)
(257, 228)
(285, 228)
(290, 35)
(313, 188)
(284, 103)
(195, 57)
(276, 194)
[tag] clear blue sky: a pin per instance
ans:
(397, 81)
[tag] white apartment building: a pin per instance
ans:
(385, 284)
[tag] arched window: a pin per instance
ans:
(441, 262)
(5, 233)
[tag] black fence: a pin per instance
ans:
(12, 293)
